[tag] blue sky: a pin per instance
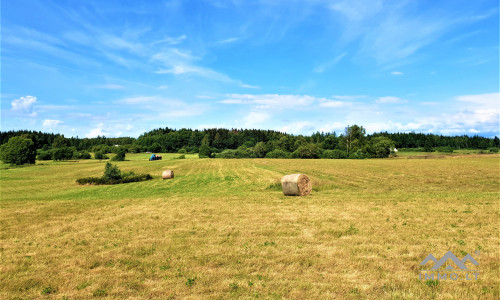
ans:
(120, 68)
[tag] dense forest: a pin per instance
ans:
(239, 143)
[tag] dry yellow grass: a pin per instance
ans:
(223, 229)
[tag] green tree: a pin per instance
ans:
(60, 142)
(112, 172)
(63, 153)
(307, 151)
(354, 137)
(120, 155)
(18, 151)
(205, 151)
(156, 147)
(260, 150)
(381, 147)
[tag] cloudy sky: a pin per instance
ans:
(120, 68)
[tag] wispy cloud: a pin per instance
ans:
(170, 40)
(229, 40)
(323, 67)
(270, 101)
(396, 73)
(110, 86)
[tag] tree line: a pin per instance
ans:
(242, 143)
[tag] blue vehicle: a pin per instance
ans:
(155, 157)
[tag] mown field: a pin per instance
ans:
(222, 229)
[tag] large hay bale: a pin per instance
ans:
(296, 185)
(168, 174)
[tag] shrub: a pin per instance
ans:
(446, 149)
(493, 150)
(100, 155)
(181, 156)
(228, 153)
(113, 175)
(81, 155)
(44, 155)
(278, 153)
(307, 151)
(182, 151)
(334, 154)
(18, 151)
(63, 153)
(120, 155)
(244, 152)
(359, 154)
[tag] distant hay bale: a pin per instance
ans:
(168, 174)
(296, 185)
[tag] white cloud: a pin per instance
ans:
(332, 103)
(301, 127)
(348, 97)
(51, 123)
(255, 118)
(138, 99)
(390, 99)
(98, 131)
(24, 105)
(396, 73)
(490, 101)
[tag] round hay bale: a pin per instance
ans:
(168, 174)
(296, 185)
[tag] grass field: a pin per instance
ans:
(223, 229)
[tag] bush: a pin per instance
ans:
(82, 155)
(182, 151)
(44, 155)
(446, 149)
(359, 154)
(113, 175)
(334, 154)
(63, 153)
(493, 150)
(228, 153)
(245, 152)
(181, 156)
(120, 155)
(278, 153)
(100, 155)
(18, 151)
(307, 151)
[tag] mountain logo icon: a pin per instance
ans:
(449, 256)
